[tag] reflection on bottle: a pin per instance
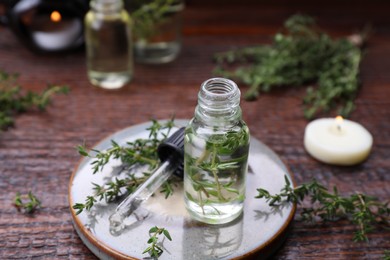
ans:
(211, 241)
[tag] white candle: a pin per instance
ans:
(337, 141)
(54, 32)
(60, 39)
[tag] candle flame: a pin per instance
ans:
(339, 119)
(55, 16)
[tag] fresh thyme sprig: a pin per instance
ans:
(141, 151)
(13, 101)
(223, 155)
(303, 55)
(366, 212)
(110, 191)
(154, 249)
(134, 155)
(29, 203)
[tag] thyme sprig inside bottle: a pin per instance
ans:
(216, 147)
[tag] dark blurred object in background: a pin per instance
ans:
(46, 26)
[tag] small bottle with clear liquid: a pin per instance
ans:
(157, 33)
(216, 146)
(109, 44)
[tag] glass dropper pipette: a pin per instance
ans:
(171, 154)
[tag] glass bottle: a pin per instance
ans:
(157, 29)
(109, 44)
(216, 148)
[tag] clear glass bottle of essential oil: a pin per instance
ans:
(109, 44)
(216, 148)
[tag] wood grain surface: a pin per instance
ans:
(39, 153)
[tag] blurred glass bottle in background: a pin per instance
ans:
(109, 44)
(157, 29)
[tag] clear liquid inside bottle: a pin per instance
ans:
(216, 156)
(109, 49)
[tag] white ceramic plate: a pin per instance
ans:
(256, 234)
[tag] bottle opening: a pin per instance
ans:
(219, 97)
(107, 5)
(220, 88)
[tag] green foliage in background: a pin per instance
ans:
(14, 101)
(302, 55)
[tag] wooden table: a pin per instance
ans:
(39, 153)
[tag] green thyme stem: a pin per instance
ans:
(44, 99)
(363, 208)
(202, 157)
(155, 250)
(215, 173)
(146, 160)
(201, 203)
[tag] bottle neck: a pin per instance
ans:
(218, 102)
(106, 6)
